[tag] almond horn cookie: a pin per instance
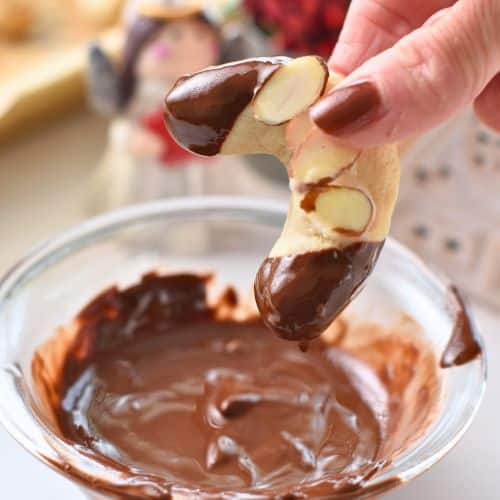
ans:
(341, 199)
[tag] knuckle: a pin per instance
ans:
(490, 7)
(446, 59)
(488, 12)
(425, 76)
(464, 56)
(475, 36)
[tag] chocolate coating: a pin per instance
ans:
(299, 296)
(202, 108)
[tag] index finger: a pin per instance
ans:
(373, 26)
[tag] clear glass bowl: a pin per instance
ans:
(229, 236)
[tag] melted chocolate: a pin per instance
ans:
(308, 203)
(299, 296)
(464, 345)
(202, 108)
(154, 384)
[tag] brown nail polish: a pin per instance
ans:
(348, 109)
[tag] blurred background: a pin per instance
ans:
(81, 133)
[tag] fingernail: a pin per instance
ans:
(348, 109)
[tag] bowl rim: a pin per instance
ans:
(93, 229)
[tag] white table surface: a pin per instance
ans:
(43, 186)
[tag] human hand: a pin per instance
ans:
(412, 65)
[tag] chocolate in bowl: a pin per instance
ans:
(179, 394)
(230, 236)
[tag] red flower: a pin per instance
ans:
(300, 26)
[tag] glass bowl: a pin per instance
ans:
(229, 236)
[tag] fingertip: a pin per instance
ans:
(343, 59)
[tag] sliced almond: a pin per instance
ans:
(290, 90)
(319, 157)
(345, 210)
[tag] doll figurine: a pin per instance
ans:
(164, 40)
(17, 18)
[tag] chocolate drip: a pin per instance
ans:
(464, 345)
(308, 203)
(299, 296)
(201, 109)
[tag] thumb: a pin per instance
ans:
(421, 81)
